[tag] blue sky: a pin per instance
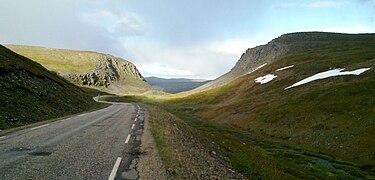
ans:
(175, 38)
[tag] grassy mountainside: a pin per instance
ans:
(175, 85)
(333, 116)
(30, 93)
(90, 69)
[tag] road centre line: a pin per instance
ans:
(115, 168)
(133, 126)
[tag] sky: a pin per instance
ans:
(174, 38)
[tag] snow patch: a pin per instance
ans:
(265, 79)
(258, 67)
(329, 73)
(284, 68)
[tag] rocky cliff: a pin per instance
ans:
(89, 69)
(252, 59)
(108, 70)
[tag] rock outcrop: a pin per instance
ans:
(108, 69)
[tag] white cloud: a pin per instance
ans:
(160, 70)
(229, 46)
(202, 61)
(190, 62)
(318, 4)
(129, 24)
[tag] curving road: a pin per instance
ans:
(85, 146)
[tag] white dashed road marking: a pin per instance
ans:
(133, 126)
(81, 115)
(127, 139)
(115, 168)
(65, 119)
(39, 126)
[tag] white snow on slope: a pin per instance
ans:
(258, 67)
(265, 79)
(284, 68)
(329, 73)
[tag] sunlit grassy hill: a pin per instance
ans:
(89, 69)
(334, 116)
(30, 93)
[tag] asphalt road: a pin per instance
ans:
(85, 146)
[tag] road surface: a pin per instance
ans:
(87, 146)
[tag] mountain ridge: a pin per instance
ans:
(89, 69)
(274, 50)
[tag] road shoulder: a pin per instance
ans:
(185, 153)
(150, 164)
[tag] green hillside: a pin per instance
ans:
(30, 93)
(333, 116)
(89, 69)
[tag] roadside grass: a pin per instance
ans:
(157, 131)
(185, 151)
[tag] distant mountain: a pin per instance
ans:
(317, 91)
(89, 69)
(30, 93)
(175, 85)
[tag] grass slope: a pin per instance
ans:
(59, 60)
(30, 93)
(65, 62)
(334, 116)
